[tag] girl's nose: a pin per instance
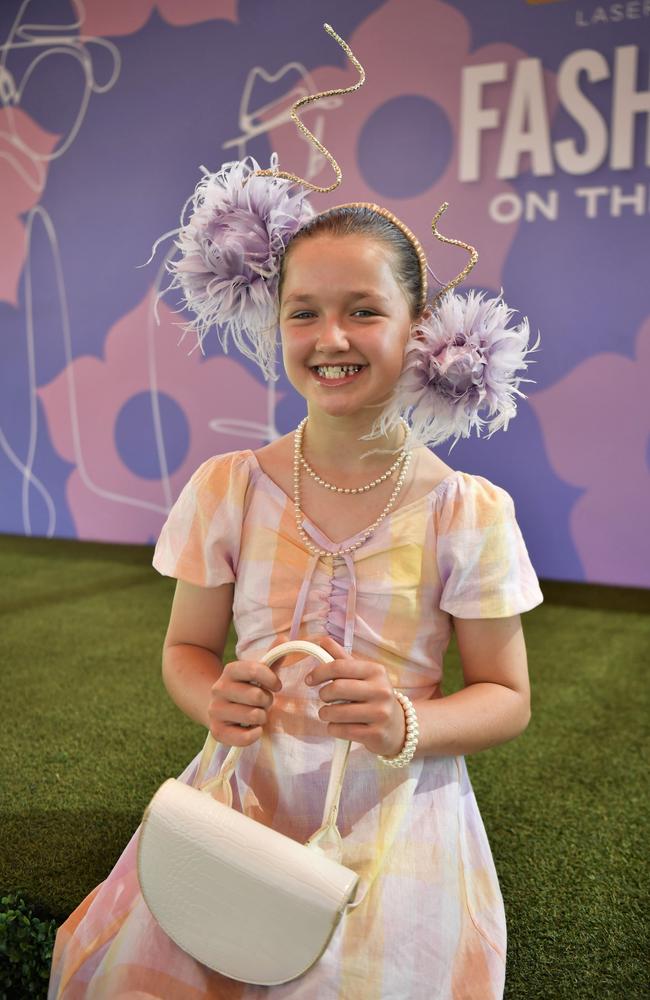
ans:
(332, 337)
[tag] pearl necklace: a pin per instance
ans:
(357, 489)
(405, 459)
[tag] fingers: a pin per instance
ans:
(241, 715)
(345, 668)
(248, 694)
(352, 713)
(254, 672)
(357, 712)
(328, 640)
(331, 646)
(358, 695)
(240, 700)
(345, 689)
(235, 736)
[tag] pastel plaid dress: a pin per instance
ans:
(428, 922)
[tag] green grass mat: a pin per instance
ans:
(89, 733)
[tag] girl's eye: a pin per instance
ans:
(306, 312)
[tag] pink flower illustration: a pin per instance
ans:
(595, 422)
(127, 16)
(414, 53)
(98, 410)
(24, 148)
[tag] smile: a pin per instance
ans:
(337, 374)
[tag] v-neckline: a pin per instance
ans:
(352, 538)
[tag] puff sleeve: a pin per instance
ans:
(485, 570)
(200, 539)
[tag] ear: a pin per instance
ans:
(424, 317)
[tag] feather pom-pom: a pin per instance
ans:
(460, 371)
(231, 250)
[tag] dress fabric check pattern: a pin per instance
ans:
(428, 920)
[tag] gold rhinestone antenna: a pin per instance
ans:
(309, 99)
(472, 251)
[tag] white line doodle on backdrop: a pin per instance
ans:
(153, 387)
(11, 94)
(28, 36)
(251, 128)
(51, 39)
(75, 423)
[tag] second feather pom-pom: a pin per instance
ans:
(231, 250)
(461, 370)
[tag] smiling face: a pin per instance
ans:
(341, 305)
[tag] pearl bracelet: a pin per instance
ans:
(412, 733)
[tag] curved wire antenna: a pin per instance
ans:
(309, 99)
(472, 251)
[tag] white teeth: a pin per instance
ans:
(337, 371)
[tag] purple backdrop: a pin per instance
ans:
(531, 118)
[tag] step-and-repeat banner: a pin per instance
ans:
(530, 117)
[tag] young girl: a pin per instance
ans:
(376, 554)
(428, 920)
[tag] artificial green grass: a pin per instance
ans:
(89, 733)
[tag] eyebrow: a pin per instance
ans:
(352, 297)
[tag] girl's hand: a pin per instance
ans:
(374, 716)
(240, 700)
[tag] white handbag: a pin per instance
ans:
(243, 899)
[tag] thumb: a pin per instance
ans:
(331, 646)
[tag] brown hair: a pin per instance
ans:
(347, 220)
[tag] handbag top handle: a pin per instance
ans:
(326, 839)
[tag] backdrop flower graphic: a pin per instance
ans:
(602, 447)
(22, 142)
(101, 18)
(122, 460)
(397, 135)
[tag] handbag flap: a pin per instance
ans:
(239, 897)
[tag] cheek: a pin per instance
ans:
(285, 340)
(293, 358)
(403, 343)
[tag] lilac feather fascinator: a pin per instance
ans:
(231, 248)
(460, 371)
